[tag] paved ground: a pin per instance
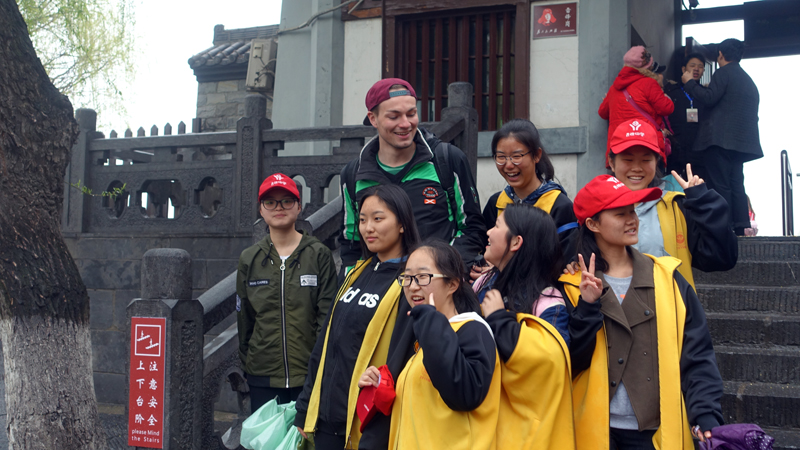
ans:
(116, 427)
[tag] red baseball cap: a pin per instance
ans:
(373, 399)
(278, 181)
(635, 132)
(606, 192)
(379, 93)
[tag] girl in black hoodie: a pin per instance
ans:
(356, 333)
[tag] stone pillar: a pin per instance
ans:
(459, 104)
(167, 292)
(604, 35)
(77, 169)
(309, 78)
(248, 161)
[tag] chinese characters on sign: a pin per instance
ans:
(556, 20)
(146, 401)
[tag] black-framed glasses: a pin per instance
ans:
(516, 159)
(270, 204)
(422, 279)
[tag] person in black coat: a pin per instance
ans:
(729, 137)
(685, 120)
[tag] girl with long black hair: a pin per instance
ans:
(367, 325)
(449, 392)
(526, 258)
(525, 308)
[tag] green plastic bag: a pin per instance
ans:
(266, 428)
(257, 422)
(291, 440)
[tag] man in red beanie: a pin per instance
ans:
(444, 200)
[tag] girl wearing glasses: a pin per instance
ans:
(284, 286)
(368, 326)
(523, 163)
(449, 392)
(528, 315)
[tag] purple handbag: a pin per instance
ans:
(738, 436)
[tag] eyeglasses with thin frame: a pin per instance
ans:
(516, 159)
(422, 279)
(270, 204)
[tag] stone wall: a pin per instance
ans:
(221, 103)
(111, 269)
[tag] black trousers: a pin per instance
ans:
(261, 395)
(631, 439)
(326, 439)
(724, 172)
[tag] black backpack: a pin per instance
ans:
(441, 162)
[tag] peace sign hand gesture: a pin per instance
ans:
(591, 287)
(692, 180)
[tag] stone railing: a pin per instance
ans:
(208, 182)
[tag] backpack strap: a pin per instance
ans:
(444, 171)
(349, 173)
(639, 109)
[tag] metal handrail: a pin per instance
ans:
(787, 195)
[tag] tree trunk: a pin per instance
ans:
(44, 307)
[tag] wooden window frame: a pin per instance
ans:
(399, 9)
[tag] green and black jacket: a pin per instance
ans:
(281, 309)
(428, 198)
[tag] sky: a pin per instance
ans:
(168, 33)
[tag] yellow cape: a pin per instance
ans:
(421, 420)
(590, 387)
(536, 397)
(545, 202)
(675, 233)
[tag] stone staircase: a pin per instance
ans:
(753, 313)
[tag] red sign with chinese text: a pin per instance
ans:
(556, 20)
(146, 393)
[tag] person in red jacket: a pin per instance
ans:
(637, 78)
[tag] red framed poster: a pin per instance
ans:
(146, 393)
(555, 20)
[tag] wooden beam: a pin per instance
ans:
(438, 33)
(522, 44)
(389, 48)
(398, 8)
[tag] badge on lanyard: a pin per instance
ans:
(691, 111)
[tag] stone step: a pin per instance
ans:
(754, 273)
(731, 298)
(785, 439)
(764, 365)
(769, 249)
(764, 404)
(766, 330)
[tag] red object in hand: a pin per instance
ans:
(373, 399)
